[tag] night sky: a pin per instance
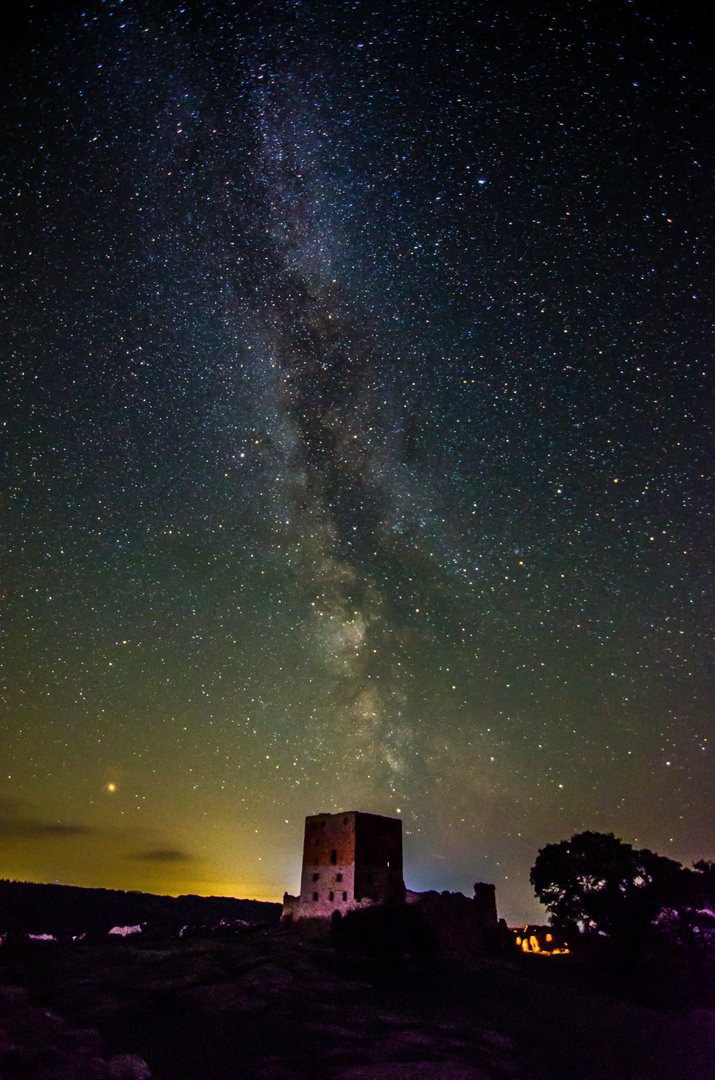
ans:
(357, 437)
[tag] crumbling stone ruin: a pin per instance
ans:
(457, 920)
(353, 860)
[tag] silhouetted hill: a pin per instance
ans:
(275, 1004)
(26, 907)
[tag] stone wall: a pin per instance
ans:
(458, 920)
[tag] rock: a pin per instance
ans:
(129, 1067)
(11, 997)
(415, 1070)
(503, 1042)
(411, 1043)
(223, 997)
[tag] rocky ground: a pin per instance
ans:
(273, 1005)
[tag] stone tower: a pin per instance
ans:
(348, 858)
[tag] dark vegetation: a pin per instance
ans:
(630, 904)
(390, 935)
(66, 910)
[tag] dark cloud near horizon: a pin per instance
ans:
(28, 829)
(165, 855)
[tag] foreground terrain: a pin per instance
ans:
(270, 1004)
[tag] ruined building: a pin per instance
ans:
(456, 919)
(349, 860)
(353, 860)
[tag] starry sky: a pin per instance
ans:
(357, 437)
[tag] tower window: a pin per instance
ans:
(338, 877)
(345, 821)
(333, 856)
(331, 897)
(315, 877)
(315, 896)
(345, 896)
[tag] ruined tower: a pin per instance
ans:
(348, 858)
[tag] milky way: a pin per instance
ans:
(357, 437)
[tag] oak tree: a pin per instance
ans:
(595, 884)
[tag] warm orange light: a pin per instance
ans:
(549, 937)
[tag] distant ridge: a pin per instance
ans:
(30, 908)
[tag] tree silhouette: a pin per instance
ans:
(596, 884)
(688, 916)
